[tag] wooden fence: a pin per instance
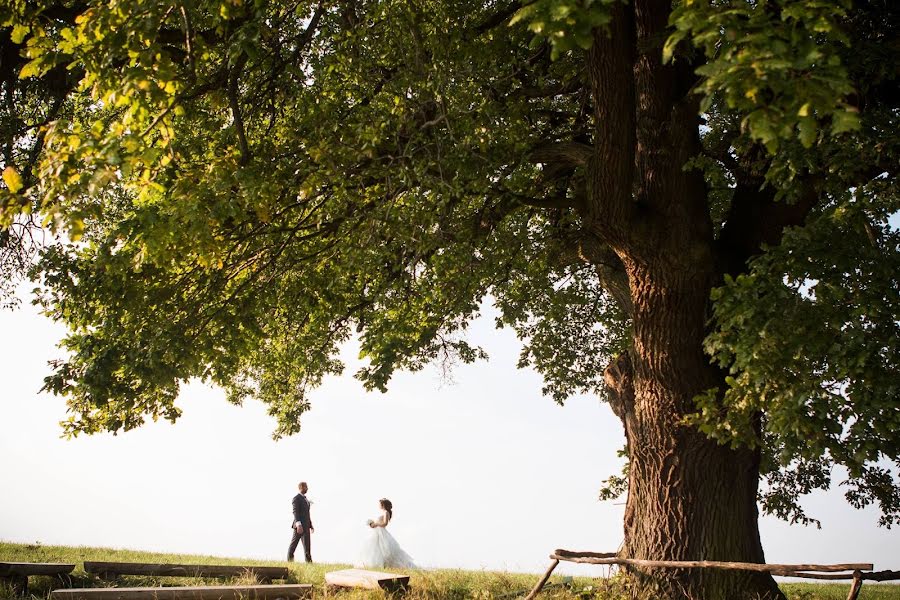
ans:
(858, 572)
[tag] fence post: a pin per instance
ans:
(856, 587)
(540, 584)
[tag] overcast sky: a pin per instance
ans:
(483, 472)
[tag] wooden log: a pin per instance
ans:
(24, 568)
(856, 587)
(713, 564)
(882, 576)
(370, 580)
(110, 569)
(225, 592)
(874, 576)
(822, 576)
(540, 584)
(569, 554)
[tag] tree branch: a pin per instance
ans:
(236, 111)
(610, 66)
(567, 154)
(756, 218)
(498, 18)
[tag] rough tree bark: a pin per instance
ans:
(689, 498)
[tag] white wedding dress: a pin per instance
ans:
(382, 551)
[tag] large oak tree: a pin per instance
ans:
(681, 205)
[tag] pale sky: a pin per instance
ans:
(483, 472)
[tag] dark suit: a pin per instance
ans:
(301, 515)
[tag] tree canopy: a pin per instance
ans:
(240, 187)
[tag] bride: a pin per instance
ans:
(381, 549)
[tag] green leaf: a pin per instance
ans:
(19, 32)
(671, 44)
(843, 121)
(12, 179)
(807, 128)
(33, 68)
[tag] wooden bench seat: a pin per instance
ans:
(225, 592)
(371, 580)
(109, 570)
(16, 573)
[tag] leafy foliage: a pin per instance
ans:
(811, 338)
(242, 186)
(776, 61)
(566, 24)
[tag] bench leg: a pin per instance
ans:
(18, 584)
(331, 590)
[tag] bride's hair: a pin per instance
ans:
(386, 505)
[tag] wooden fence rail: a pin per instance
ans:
(854, 571)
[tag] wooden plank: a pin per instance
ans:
(183, 570)
(579, 557)
(225, 592)
(370, 580)
(20, 568)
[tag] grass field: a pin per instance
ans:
(437, 584)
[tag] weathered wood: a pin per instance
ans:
(371, 580)
(875, 576)
(822, 576)
(110, 569)
(226, 592)
(569, 554)
(856, 587)
(540, 584)
(712, 564)
(15, 574)
(829, 572)
(24, 568)
(882, 576)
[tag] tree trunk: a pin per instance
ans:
(689, 498)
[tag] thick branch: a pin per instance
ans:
(499, 18)
(756, 218)
(610, 270)
(307, 36)
(610, 65)
(567, 154)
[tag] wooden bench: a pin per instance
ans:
(225, 592)
(370, 580)
(109, 570)
(16, 573)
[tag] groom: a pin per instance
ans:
(302, 525)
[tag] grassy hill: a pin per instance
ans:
(433, 584)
